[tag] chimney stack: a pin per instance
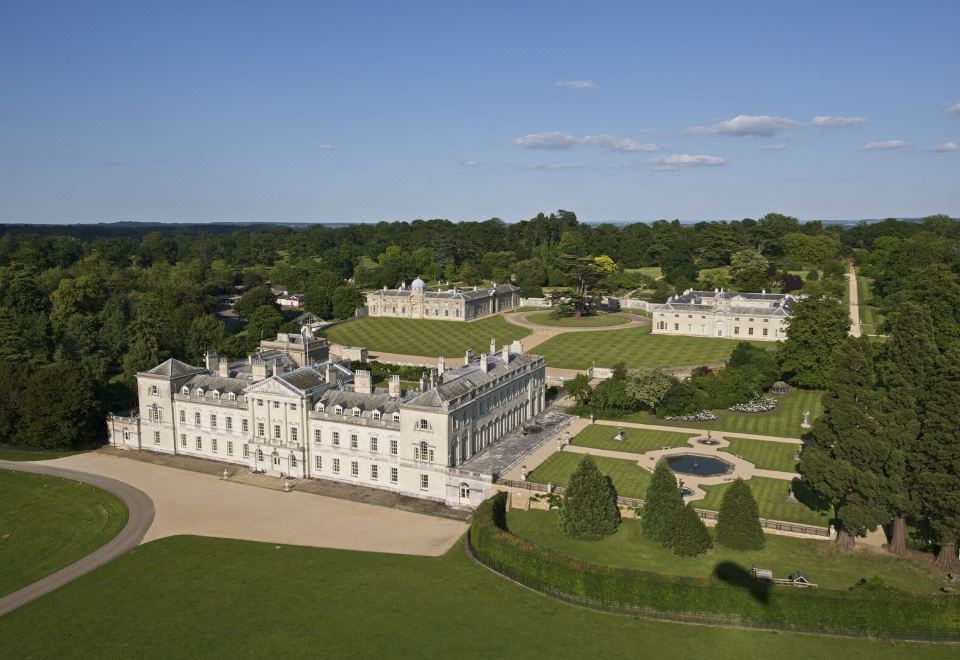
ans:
(258, 367)
(493, 345)
(505, 356)
(424, 384)
(468, 357)
(332, 375)
(433, 378)
(277, 369)
(362, 382)
(440, 366)
(213, 362)
(516, 347)
(394, 386)
(224, 369)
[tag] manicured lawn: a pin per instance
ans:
(32, 455)
(650, 271)
(765, 455)
(784, 421)
(597, 321)
(630, 479)
(47, 523)
(870, 315)
(638, 441)
(635, 347)
(770, 494)
(824, 565)
(203, 597)
(429, 338)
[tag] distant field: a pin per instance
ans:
(650, 271)
(638, 441)
(636, 347)
(784, 421)
(764, 454)
(597, 321)
(630, 479)
(428, 338)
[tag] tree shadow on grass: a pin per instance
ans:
(737, 576)
(806, 496)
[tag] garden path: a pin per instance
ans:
(700, 432)
(542, 333)
(855, 329)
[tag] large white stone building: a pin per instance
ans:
(419, 302)
(737, 315)
(320, 420)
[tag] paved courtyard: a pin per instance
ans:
(200, 504)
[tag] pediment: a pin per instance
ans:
(272, 385)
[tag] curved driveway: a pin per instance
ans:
(139, 518)
(542, 333)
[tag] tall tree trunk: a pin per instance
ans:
(898, 536)
(947, 557)
(845, 540)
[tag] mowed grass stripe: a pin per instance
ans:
(598, 321)
(770, 495)
(765, 455)
(635, 347)
(630, 479)
(426, 337)
(638, 441)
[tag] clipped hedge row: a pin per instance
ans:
(738, 600)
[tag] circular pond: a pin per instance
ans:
(701, 466)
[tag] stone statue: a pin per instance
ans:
(619, 436)
(805, 424)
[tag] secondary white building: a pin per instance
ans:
(732, 314)
(419, 302)
(323, 421)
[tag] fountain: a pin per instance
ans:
(699, 465)
(708, 440)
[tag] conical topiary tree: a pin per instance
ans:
(690, 535)
(661, 504)
(589, 510)
(738, 523)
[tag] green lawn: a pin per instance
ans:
(47, 523)
(765, 455)
(638, 441)
(650, 271)
(636, 347)
(824, 565)
(422, 337)
(870, 316)
(784, 421)
(630, 479)
(770, 494)
(597, 321)
(32, 455)
(184, 597)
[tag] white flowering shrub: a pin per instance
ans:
(760, 404)
(699, 416)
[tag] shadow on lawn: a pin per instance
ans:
(737, 576)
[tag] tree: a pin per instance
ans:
(748, 269)
(689, 536)
(58, 409)
(589, 510)
(318, 302)
(648, 386)
(662, 502)
(846, 461)
(579, 388)
(738, 522)
(584, 272)
(205, 333)
(818, 327)
(253, 299)
(263, 324)
(345, 301)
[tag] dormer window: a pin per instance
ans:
(216, 394)
(320, 407)
(199, 391)
(184, 390)
(396, 418)
(338, 410)
(356, 412)
(231, 396)
(376, 414)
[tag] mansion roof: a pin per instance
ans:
(449, 294)
(730, 302)
(462, 380)
(173, 368)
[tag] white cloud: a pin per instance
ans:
(945, 146)
(324, 147)
(826, 121)
(773, 147)
(550, 140)
(575, 84)
(554, 166)
(555, 140)
(613, 143)
(953, 108)
(467, 162)
(679, 161)
(886, 145)
(746, 125)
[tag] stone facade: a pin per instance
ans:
(731, 314)
(323, 421)
(418, 302)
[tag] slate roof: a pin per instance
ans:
(737, 303)
(365, 402)
(461, 380)
(450, 294)
(173, 368)
(211, 383)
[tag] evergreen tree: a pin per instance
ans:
(846, 461)
(938, 474)
(689, 536)
(589, 510)
(817, 328)
(738, 522)
(661, 504)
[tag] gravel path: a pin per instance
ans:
(140, 516)
(855, 329)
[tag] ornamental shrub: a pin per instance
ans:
(661, 504)
(690, 535)
(589, 510)
(738, 522)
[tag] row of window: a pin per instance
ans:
(214, 445)
(356, 412)
(662, 325)
(355, 469)
(276, 404)
(244, 424)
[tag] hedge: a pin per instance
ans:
(734, 598)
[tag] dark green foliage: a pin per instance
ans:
(818, 327)
(345, 301)
(690, 536)
(589, 510)
(738, 522)
(58, 409)
(579, 388)
(263, 324)
(661, 505)
(253, 299)
(733, 598)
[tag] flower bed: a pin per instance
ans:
(759, 404)
(699, 416)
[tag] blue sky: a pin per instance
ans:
(355, 111)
